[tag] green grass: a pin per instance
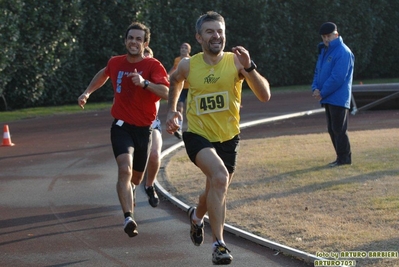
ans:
(28, 113)
(285, 195)
(386, 203)
(306, 87)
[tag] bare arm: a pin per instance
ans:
(176, 85)
(98, 81)
(258, 84)
(160, 90)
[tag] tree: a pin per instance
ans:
(9, 35)
(39, 43)
(49, 60)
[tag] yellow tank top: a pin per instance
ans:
(214, 97)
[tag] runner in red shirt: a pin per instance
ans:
(139, 83)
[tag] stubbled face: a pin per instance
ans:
(212, 37)
(135, 42)
(329, 37)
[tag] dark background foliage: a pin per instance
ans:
(50, 50)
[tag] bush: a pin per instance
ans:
(49, 60)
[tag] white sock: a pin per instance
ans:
(197, 220)
(128, 219)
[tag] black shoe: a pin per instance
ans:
(178, 134)
(221, 255)
(196, 231)
(130, 227)
(152, 196)
(339, 163)
(333, 164)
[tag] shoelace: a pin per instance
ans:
(222, 245)
(197, 228)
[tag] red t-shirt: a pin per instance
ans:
(132, 103)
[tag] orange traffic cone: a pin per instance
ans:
(6, 137)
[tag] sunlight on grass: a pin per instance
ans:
(284, 191)
(386, 203)
(343, 188)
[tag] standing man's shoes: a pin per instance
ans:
(338, 163)
(333, 164)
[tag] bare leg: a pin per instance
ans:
(154, 161)
(126, 176)
(214, 197)
(202, 206)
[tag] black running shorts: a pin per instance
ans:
(227, 150)
(134, 140)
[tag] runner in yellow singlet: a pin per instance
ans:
(213, 106)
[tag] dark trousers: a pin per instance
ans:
(337, 125)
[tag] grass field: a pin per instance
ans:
(295, 199)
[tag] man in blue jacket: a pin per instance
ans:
(332, 86)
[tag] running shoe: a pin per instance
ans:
(196, 231)
(153, 198)
(130, 227)
(221, 255)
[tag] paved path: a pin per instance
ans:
(58, 203)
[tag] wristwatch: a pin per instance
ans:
(253, 67)
(146, 83)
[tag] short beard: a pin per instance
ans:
(215, 51)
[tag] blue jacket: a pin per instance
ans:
(334, 73)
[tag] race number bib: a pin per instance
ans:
(210, 103)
